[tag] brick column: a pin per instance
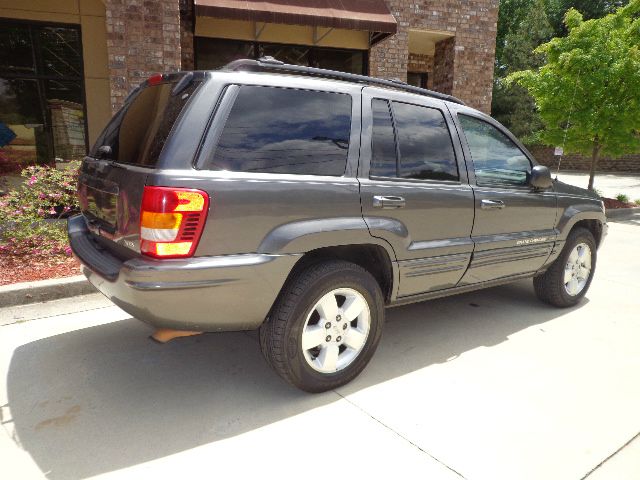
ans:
(444, 66)
(388, 58)
(463, 65)
(186, 34)
(143, 38)
(475, 46)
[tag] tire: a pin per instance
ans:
(305, 313)
(551, 287)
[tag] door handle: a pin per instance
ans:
(381, 201)
(492, 204)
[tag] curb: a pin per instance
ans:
(44, 290)
(622, 212)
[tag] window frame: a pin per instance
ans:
(222, 107)
(473, 179)
(41, 78)
(448, 123)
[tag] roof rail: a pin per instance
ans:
(270, 64)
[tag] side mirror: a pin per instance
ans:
(104, 151)
(540, 178)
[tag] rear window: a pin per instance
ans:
(280, 130)
(137, 133)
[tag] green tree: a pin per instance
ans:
(523, 25)
(588, 91)
(556, 10)
(527, 28)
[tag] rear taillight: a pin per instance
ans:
(171, 221)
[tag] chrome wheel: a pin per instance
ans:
(336, 330)
(578, 269)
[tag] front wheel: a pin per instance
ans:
(569, 277)
(325, 326)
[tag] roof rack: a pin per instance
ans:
(270, 64)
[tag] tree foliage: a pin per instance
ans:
(588, 91)
(523, 25)
(512, 105)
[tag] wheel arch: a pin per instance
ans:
(594, 226)
(372, 257)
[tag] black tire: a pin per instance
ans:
(281, 335)
(550, 287)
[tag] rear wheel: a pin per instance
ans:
(325, 326)
(569, 277)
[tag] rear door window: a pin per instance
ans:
(138, 132)
(280, 130)
(423, 143)
(426, 151)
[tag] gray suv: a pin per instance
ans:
(304, 202)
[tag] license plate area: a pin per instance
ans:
(99, 202)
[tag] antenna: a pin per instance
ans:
(566, 128)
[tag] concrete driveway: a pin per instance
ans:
(489, 385)
(608, 184)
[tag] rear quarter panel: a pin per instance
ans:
(267, 212)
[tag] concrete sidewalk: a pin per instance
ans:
(488, 385)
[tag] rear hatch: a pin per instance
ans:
(113, 175)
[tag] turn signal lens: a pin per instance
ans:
(171, 221)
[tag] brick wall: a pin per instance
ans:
(143, 38)
(186, 34)
(473, 22)
(419, 63)
(444, 66)
(626, 163)
(388, 58)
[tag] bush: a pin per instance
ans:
(621, 197)
(28, 214)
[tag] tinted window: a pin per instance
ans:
(426, 151)
(137, 133)
(383, 159)
(496, 159)
(278, 130)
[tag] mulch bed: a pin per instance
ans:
(612, 203)
(28, 269)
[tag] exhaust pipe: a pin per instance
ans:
(164, 335)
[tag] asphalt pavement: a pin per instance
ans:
(487, 385)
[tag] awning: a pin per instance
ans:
(368, 15)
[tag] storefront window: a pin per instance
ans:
(42, 114)
(212, 53)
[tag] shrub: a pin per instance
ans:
(28, 214)
(621, 197)
(637, 202)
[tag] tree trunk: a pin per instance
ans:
(595, 156)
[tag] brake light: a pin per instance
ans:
(171, 221)
(155, 79)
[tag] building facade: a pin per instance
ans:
(67, 65)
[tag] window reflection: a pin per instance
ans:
(426, 151)
(309, 135)
(41, 94)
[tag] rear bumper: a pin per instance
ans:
(233, 292)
